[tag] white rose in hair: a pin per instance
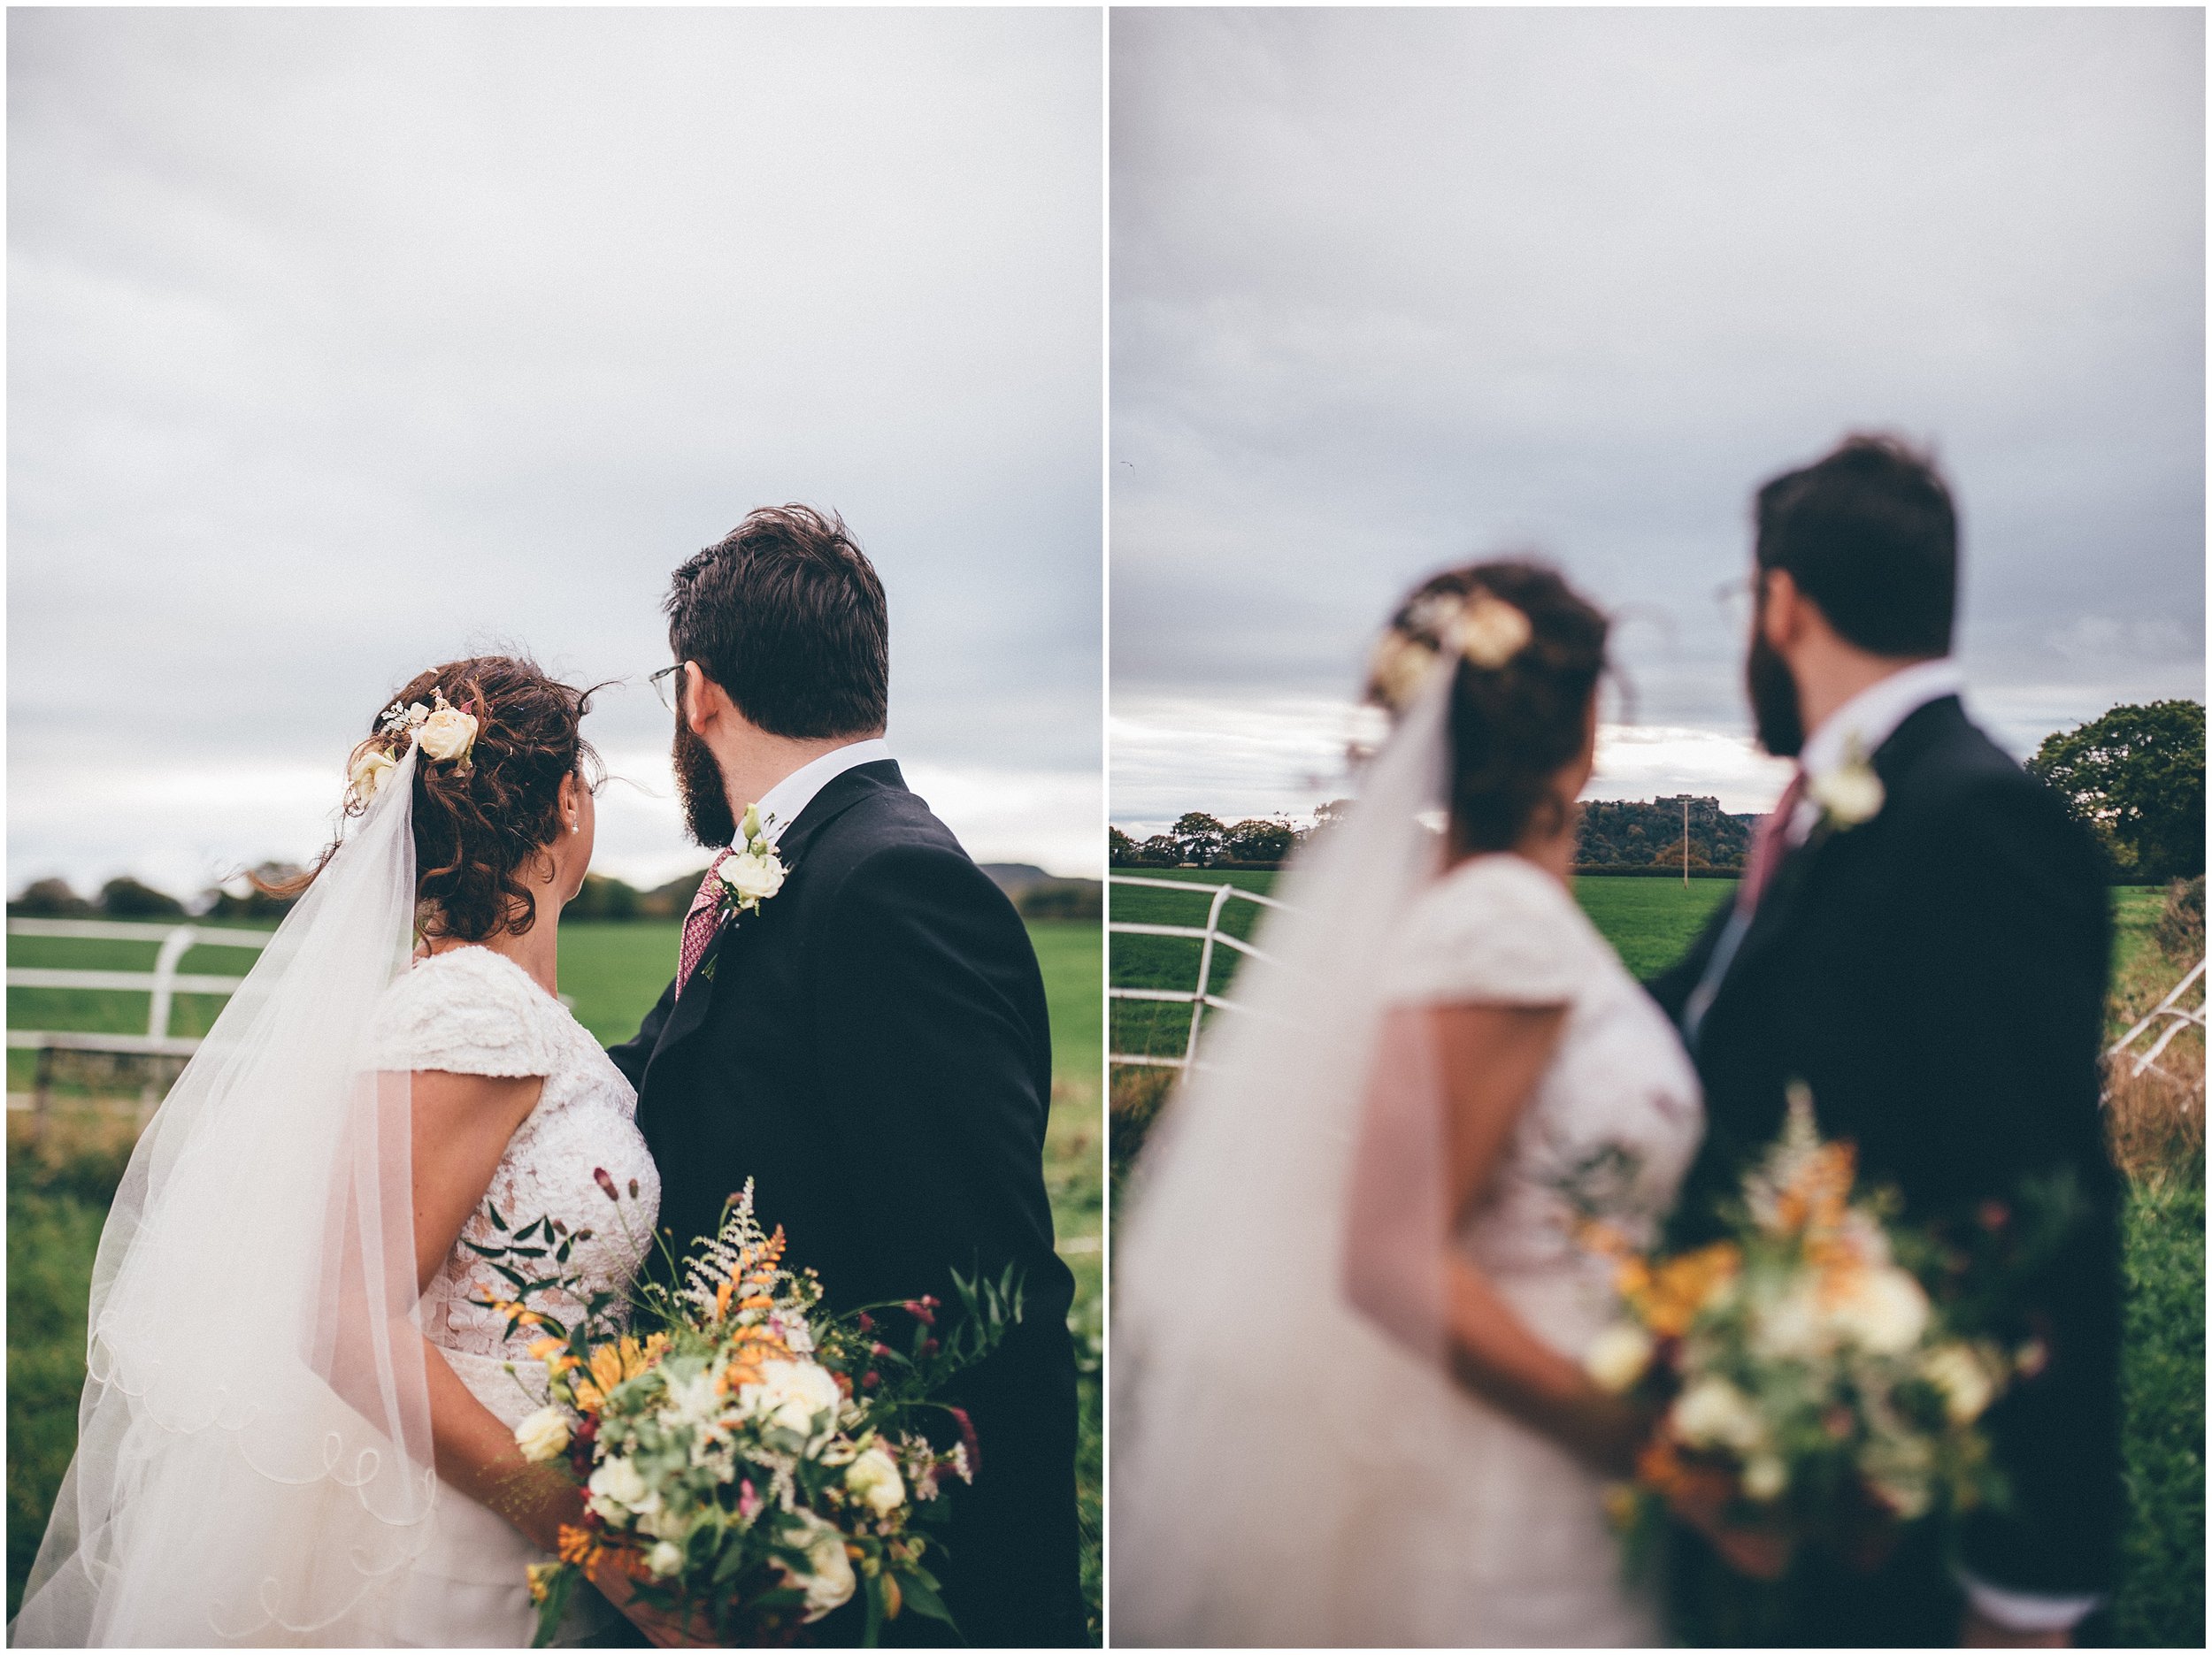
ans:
(447, 733)
(754, 879)
(369, 771)
(1488, 631)
(543, 1435)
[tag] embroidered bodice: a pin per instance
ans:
(1615, 1119)
(470, 1011)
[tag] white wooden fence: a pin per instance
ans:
(1209, 935)
(164, 984)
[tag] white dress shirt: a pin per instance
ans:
(781, 805)
(1864, 723)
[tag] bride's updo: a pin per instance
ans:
(496, 737)
(1529, 651)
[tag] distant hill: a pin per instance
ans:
(1014, 877)
(1636, 833)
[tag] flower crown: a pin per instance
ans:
(443, 733)
(1479, 626)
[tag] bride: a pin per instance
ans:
(1354, 1288)
(298, 1425)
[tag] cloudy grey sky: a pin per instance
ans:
(1395, 288)
(343, 342)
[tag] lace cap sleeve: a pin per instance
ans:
(1496, 930)
(467, 1011)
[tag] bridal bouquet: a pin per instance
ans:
(1813, 1390)
(755, 1464)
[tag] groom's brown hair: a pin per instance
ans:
(785, 612)
(1869, 535)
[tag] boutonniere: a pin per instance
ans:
(1849, 795)
(750, 876)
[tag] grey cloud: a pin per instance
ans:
(1395, 288)
(343, 341)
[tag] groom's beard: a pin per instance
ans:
(699, 780)
(1775, 711)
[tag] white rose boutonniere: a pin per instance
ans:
(1850, 794)
(752, 873)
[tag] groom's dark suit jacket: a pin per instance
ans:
(1937, 976)
(870, 1047)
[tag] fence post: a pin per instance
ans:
(1205, 974)
(174, 946)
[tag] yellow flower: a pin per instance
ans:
(541, 1577)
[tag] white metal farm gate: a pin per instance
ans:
(1208, 936)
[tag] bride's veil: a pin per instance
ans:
(253, 1462)
(1267, 1434)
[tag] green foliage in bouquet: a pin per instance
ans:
(1820, 1374)
(752, 1463)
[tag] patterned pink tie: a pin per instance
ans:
(699, 923)
(1768, 843)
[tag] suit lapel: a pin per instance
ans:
(838, 795)
(1771, 922)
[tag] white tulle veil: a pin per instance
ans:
(253, 1462)
(1268, 1434)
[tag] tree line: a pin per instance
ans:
(2133, 777)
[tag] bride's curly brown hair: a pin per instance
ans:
(482, 823)
(1513, 727)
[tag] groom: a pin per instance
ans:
(1922, 936)
(870, 1044)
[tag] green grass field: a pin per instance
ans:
(1650, 922)
(58, 1197)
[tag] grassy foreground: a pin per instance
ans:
(2159, 1600)
(58, 1189)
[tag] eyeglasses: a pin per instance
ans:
(668, 684)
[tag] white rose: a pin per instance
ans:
(828, 1576)
(664, 1559)
(754, 879)
(369, 771)
(750, 828)
(691, 1401)
(1964, 1381)
(1765, 1477)
(1850, 795)
(543, 1435)
(1713, 1413)
(1618, 1357)
(1791, 1328)
(618, 1489)
(874, 1480)
(1883, 1311)
(1488, 631)
(447, 733)
(791, 1395)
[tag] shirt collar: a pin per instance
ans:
(796, 790)
(1871, 717)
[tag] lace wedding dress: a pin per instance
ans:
(1288, 1469)
(1512, 1524)
(470, 1011)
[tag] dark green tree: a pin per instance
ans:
(1198, 836)
(1260, 840)
(127, 899)
(1121, 850)
(2135, 778)
(50, 899)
